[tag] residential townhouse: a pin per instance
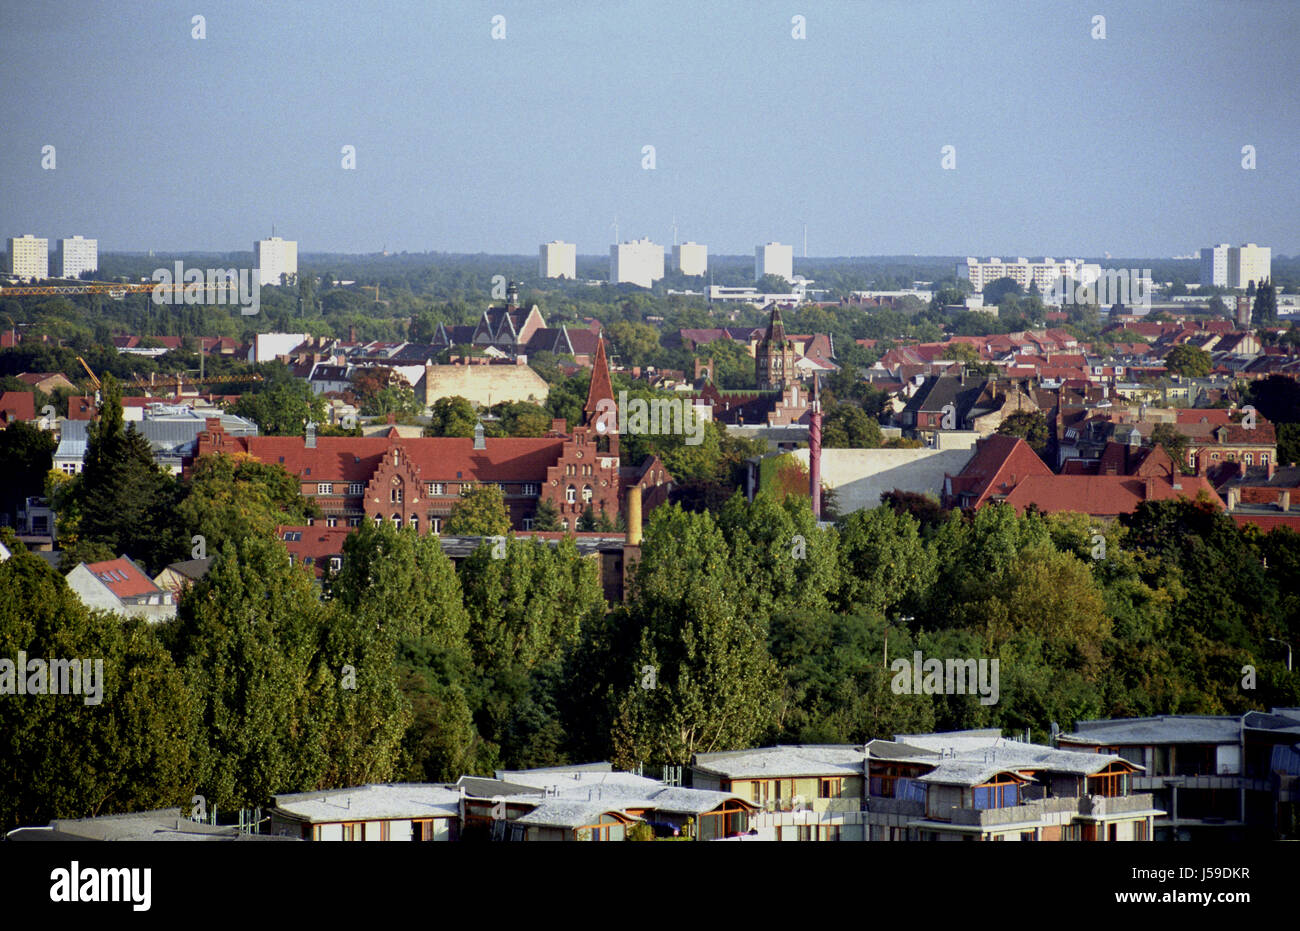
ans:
(121, 586)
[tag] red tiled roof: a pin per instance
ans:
(1211, 415)
(354, 459)
(1102, 495)
(123, 578)
(999, 463)
(313, 543)
(18, 405)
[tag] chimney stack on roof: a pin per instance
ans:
(633, 537)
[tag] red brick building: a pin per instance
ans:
(416, 481)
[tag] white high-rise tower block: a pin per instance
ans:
(275, 257)
(29, 257)
(639, 262)
(691, 258)
(774, 259)
(78, 255)
(558, 260)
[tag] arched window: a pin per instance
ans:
(414, 521)
(571, 494)
(379, 519)
(586, 494)
(1249, 459)
(397, 521)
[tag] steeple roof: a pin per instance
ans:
(601, 386)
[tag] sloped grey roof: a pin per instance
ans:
(966, 773)
(164, 824)
(372, 802)
(571, 813)
(784, 761)
(1159, 730)
(892, 750)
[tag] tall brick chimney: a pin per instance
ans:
(815, 454)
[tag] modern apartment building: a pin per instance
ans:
(77, 255)
(774, 259)
(1228, 266)
(558, 260)
(29, 257)
(1215, 777)
(1025, 273)
(691, 258)
(639, 262)
(275, 257)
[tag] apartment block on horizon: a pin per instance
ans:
(77, 255)
(558, 259)
(639, 262)
(273, 258)
(691, 258)
(29, 257)
(774, 259)
(1227, 266)
(1025, 273)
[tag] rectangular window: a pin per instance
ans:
(531, 489)
(356, 488)
(528, 523)
(354, 521)
(435, 488)
(435, 523)
(831, 788)
(324, 488)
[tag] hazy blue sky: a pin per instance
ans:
(1065, 145)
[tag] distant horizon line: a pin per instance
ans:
(719, 255)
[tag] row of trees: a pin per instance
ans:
(750, 626)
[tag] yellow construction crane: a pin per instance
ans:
(163, 381)
(93, 379)
(114, 289)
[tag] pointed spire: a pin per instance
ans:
(776, 326)
(601, 386)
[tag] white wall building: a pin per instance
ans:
(558, 260)
(275, 257)
(29, 257)
(1025, 273)
(77, 255)
(691, 258)
(774, 259)
(639, 262)
(1249, 263)
(268, 346)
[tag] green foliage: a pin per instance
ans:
(1188, 360)
(451, 416)
(481, 511)
(281, 405)
(65, 758)
(233, 497)
(268, 664)
(1030, 426)
(121, 499)
(846, 427)
(712, 684)
(26, 456)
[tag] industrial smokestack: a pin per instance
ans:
(815, 453)
(633, 516)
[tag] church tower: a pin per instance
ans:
(774, 357)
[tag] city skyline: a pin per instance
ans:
(464, 143)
